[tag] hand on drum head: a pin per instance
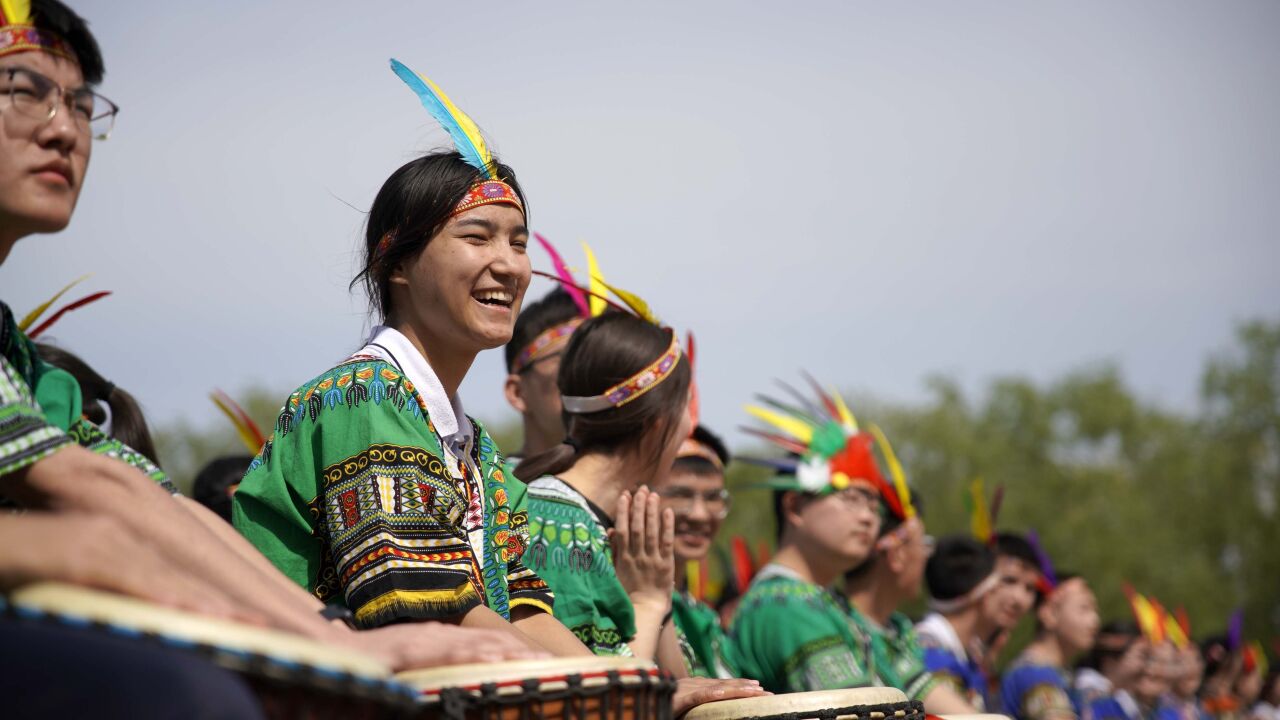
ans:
(410, 646)
(691, 692)
(643, 541)
(99, 552)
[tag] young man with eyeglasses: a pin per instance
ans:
(99, 514)
(695, 492)
(891, 576)
(540, 335)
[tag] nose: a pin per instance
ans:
(60, 131)
(698, 509)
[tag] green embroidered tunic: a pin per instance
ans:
(40, 410)
(569, 548)
(793, 636)
(897, 658)
(703, 641)
(359, 498)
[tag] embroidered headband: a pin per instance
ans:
(550, 341)
(18, 34)
(629, 389)
(691, 448)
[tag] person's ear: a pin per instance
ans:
(513, 390)
(896, 556)
(792, 503)
(1047, 614)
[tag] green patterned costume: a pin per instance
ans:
(40, 410)
(794, 636)
(569, 548)
(706, 648)
(896, 657)
(359, 498)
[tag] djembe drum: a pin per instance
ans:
(875, 703)
(292, 676)
(577, 688)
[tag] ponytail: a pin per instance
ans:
(548, 462)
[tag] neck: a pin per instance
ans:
(965, 623)
(808, 566)
(876, 598)
(603, 478)
(1047, 650)
(535, 441)
(450, 365)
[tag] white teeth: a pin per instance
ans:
(498, 296)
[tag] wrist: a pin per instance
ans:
(649, 603)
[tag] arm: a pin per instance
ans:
(547, 632)
(942, 699)
(670, 658)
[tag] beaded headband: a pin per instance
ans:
(17, 34)
(629, 389)
(691, 448)
(545, 344)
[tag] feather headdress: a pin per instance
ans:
(249, 432)
(19, 34)
(1147, 615)
(983, 515)
(462, 129)
(30, 318)
(831, 451)
(1048, 581)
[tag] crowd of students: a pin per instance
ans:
(378, 516)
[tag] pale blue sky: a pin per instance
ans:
(873, 191)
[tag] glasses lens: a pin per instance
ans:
(102, 114)
(28, 92)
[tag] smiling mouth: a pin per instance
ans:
(494, 298)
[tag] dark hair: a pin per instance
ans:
(554, 308)
(604, 351)
(958, 564)
(700, 465)
(1113, 639)
(888, 523)
(214, 479)
(1062, 578)
(1016, 546)
(53, 17)
(413, 204)
(127, 422)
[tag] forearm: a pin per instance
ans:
(547, 632)
(481, 617)
(648, 630)
(670, 657)
(75, 479)
(944, 700)
(247, 552)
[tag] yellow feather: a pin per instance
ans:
(980, 520)
(466, 123)
(634, 302)
(34, 315)
(895, 469)
(596, 284)
(846, 417)
(246, 435)
(797, 429)
(17, 12)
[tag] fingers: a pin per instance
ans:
(621, 533)
(691, 692)
(667, 545)
(639, 506)
(653, 529)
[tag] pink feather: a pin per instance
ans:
(566, 277)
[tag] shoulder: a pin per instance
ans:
(360, 382)
(778, 596)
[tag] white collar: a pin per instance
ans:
(940, 633)
(1128, 704)
(774, 569)
(446, 414)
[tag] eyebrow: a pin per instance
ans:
(82, 87)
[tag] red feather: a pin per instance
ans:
(243, 416)
(695, 406)
(66, 309)
(565, 276)
(742, 565)
(827, 402)
(781, 441)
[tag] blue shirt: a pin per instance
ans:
(965, 675)
(1031, 691)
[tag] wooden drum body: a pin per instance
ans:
(577, 688)
(874, 703)
(293, 677)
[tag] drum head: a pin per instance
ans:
(514, 673)
(798, 705)
(135, 616)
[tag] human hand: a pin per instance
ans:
(409, 646)
(694, 691)
(643, 541)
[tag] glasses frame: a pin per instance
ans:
(688, 502)
(63, 97)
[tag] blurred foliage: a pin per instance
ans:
(1181, 506)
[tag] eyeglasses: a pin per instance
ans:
(682, 500)
(38, 98)
(856, 498)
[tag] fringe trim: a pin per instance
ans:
(396, 605)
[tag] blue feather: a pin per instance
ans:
(440, 111)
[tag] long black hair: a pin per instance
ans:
(127, 422)
(411, 207)
(603, 352)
